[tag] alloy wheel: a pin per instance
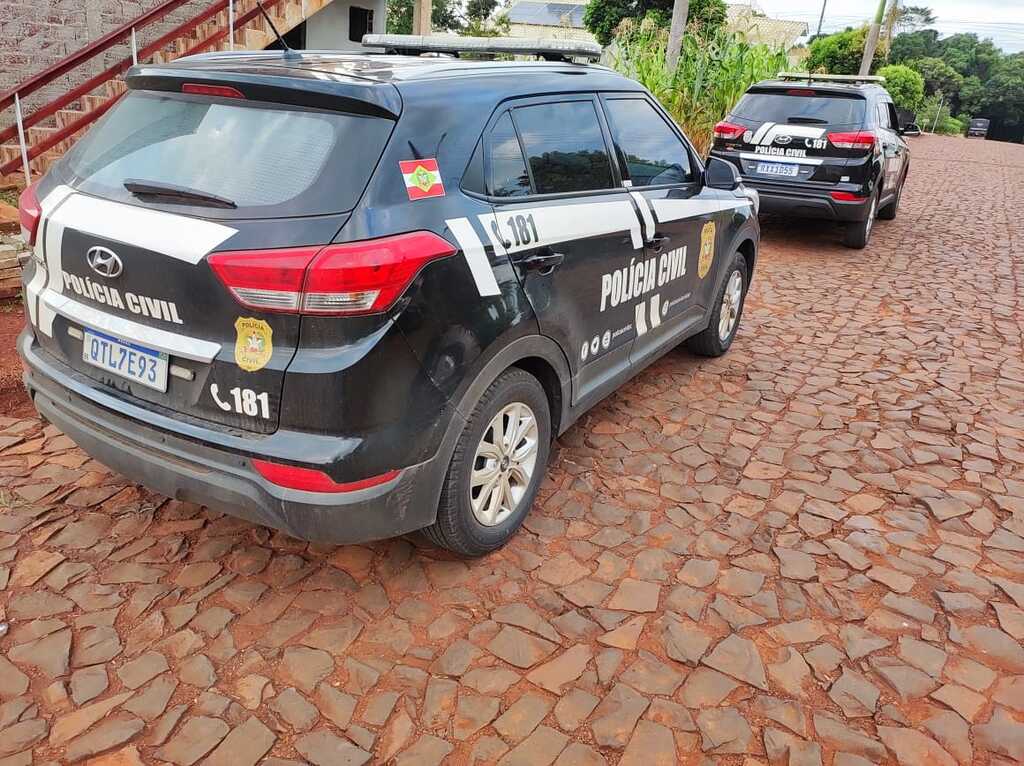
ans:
(504, 464)
(730, 306)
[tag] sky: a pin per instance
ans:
(1001, 20)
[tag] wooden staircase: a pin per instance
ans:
(54, 127)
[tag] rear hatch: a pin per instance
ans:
(794, 134)
(170, 190)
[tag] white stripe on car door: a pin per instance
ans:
(475, 255)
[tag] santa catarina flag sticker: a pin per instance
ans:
(422, 178)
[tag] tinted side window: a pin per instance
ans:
(508, 177)
(647, 146)
(883, 115)
(894, 117)
(564, 146)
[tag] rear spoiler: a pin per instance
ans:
(294, 86)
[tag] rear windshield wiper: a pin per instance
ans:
(807, 120)
(174, 192)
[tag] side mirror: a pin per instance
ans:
(719, 174)
(911, 129)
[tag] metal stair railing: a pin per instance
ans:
(16, 95)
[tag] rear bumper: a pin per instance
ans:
(806, 203)
(193, 470)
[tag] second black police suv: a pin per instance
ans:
(352, 296)
(820, 146)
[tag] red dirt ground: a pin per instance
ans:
(13, 399)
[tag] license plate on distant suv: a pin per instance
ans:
(778, 169)
(125, 359)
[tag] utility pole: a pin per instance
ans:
(821, 18)
(421, 13)
(872, 41)
(680, 12)
(938, 112)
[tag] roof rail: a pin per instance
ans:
(549, 50)
(810, 76)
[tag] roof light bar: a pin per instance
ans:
(812, 77)
(558, 50)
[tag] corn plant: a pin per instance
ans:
(714, 71)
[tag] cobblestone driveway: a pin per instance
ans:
(810, 551)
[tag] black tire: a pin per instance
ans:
(858, 233)
(456, 527)
(709, 342)
(888, 212)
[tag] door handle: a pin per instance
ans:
(658, 242)
(543, 262)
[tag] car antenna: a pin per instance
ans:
(287, 48)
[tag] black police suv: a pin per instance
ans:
(827, 147)
(352, 296)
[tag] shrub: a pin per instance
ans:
(933, 117)
(715, 69)
(904, 85)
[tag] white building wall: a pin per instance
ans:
(328, 29)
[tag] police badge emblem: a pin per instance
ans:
(707, 249)
(253, 344)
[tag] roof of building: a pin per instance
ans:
(758, 28)
(566, 14)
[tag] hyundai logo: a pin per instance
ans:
(783, 140)
(104, 262)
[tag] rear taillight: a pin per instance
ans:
(269, 280)
(29, 214)
(312, 480)
(337, 280)
(858, 140)
(729, 131)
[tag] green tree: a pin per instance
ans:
(445, 17)
(840, 53)
(939, 76)
(1006, 89)
(905, 85)
(911, 46)
(602, 17)
(480, 10)
(974, 96)
(913, 17)
(970, 56)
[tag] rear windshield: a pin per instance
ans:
(801, 109)
(270, 160)
(979, 123)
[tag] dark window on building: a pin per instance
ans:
(648, 148)
(360, 22)
(564, 146)
(509, 177)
